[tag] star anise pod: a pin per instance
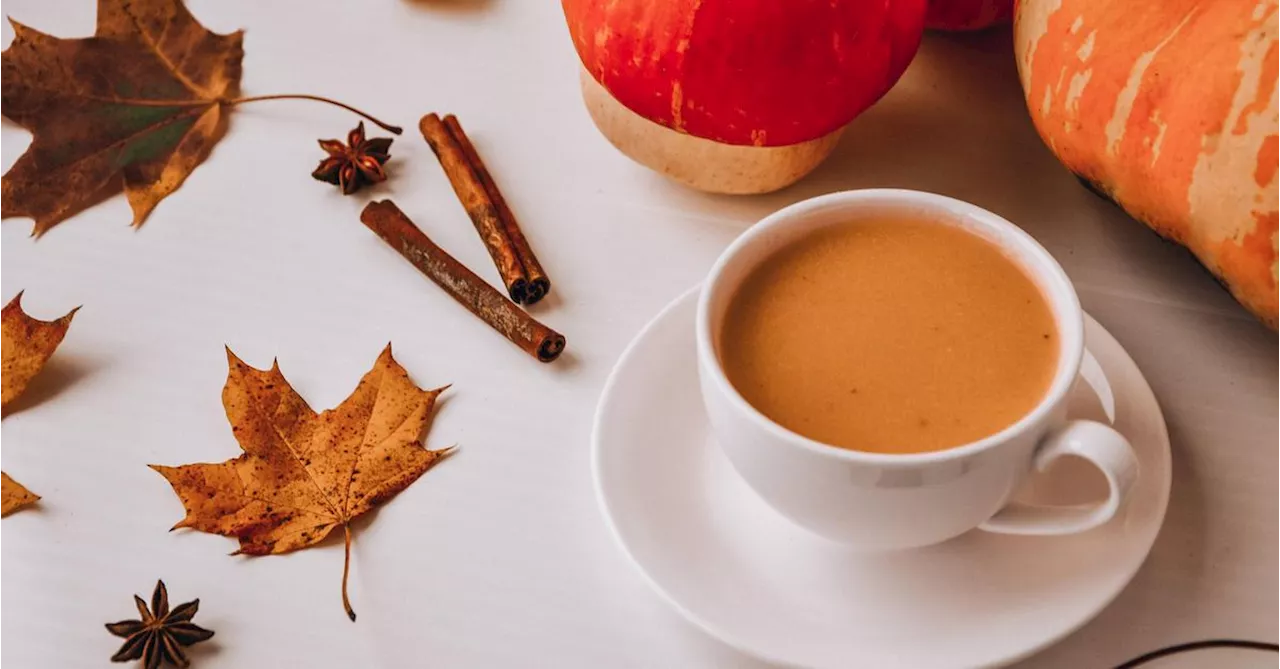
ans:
(161, 633)
(356, 163)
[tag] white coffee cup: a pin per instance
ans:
(880, 501)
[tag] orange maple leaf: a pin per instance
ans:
(304, 474)
(27, 345)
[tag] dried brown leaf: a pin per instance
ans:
(304, 474)
(14, 496)
(25, 346)
(136, 107)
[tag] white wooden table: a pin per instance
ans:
(499, 558)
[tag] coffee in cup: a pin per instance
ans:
(887, 367)
(890, 335)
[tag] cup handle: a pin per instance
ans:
(1100, 444)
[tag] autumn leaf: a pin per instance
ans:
(135, 107)
(13, 495)
(303, 474)
(27, 344)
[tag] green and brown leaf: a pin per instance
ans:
(136, 108)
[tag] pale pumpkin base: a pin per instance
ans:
(701, 163)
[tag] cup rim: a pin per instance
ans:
(1069, 317)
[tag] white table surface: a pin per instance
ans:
(499, 557)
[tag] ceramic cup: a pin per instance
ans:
(879, 501)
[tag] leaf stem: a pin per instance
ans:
(346, 569)
(394, 129)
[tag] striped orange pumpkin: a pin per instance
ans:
(1169, 109)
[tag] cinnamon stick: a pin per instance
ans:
(539, 283)
(483, 300)
(521, 273)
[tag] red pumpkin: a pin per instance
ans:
(737, 95)
(956, 15)
(1169, 109)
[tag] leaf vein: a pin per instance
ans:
(368, 427)
(151, 43)
(119, 142)
(298, 459)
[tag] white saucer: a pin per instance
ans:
(747, 576)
